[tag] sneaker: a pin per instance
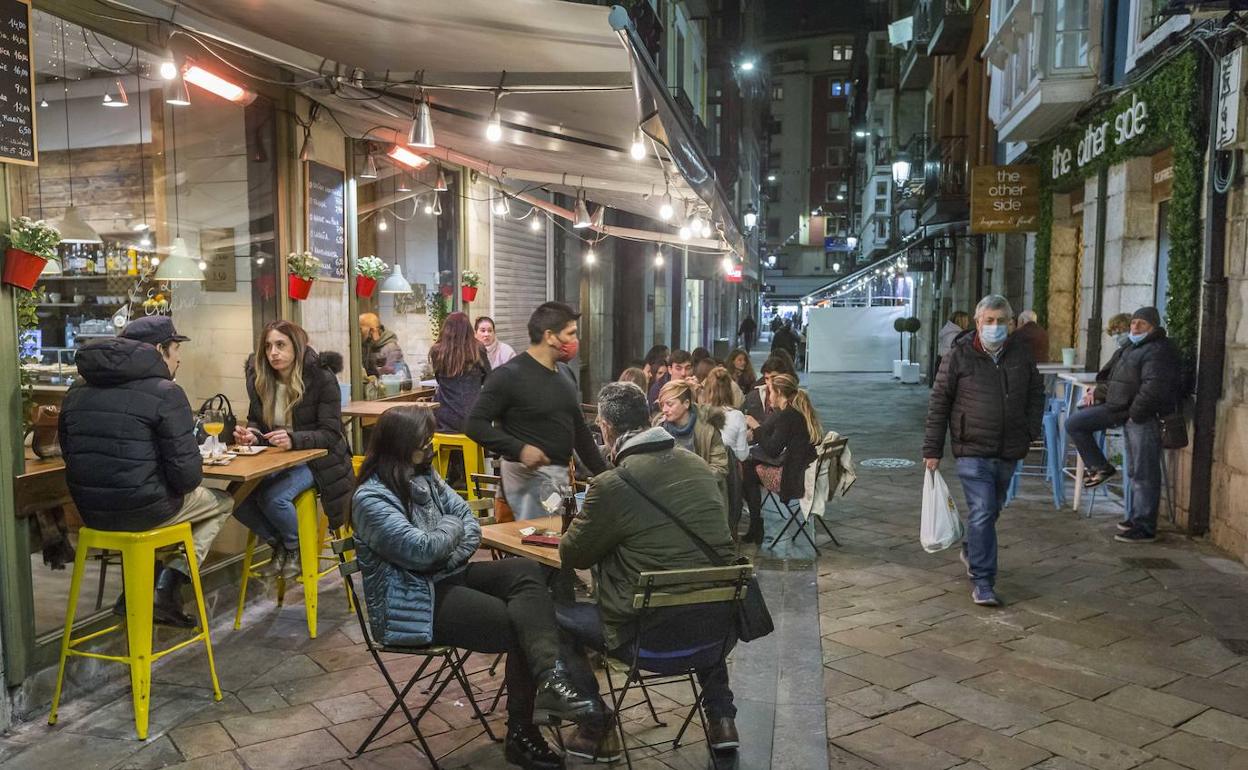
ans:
(1135, 536)
(1123, 526)
(965, 562)
(721, 733)
(558, 698)
(291, 568)
(984, 596)
(272, 567)
(1097, 478)
(526, 747)
(597, 743)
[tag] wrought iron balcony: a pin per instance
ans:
(911, 190)
(946, 181)
(948, 24)
(916, 64)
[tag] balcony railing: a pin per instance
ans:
(916, 67)
(910, 193)
(948, 24)
(686, 107)
(945, 170)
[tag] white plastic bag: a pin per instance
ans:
(940, 527)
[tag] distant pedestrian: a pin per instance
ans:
(990, 397)
(747, 332)
(785, 339)
(1032, 335)
(1141, 385)
(958, 322)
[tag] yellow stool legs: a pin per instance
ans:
(138, 556)
(474, 457)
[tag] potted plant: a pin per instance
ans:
(469, 280)
(438, 308)
(31, 245)
(367, 271)
(303, 269)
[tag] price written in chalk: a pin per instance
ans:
(326, 218)
(17, 126)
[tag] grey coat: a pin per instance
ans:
(403, 553)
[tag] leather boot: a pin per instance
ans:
(526, 747)
(167, 609)
(558, 698)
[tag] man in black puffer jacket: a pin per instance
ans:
(131, 459)
(990, 398)
(1142, 386)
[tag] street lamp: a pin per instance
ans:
(747, 65)
(901, 169)
(751, 217)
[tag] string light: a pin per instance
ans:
(638, 148)
(590, 258)
(658, 258)
(381, 223)
(535, 221)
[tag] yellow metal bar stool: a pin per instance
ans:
(313, 538)
(473, 454)
(138, 562)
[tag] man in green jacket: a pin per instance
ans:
(619, 535)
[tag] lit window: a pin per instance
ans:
(777, 93)
(835, 89)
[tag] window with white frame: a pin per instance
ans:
(842, 52)
(1148, 28)
(1072, 29)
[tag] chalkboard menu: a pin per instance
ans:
(327, 224)
(17, 85)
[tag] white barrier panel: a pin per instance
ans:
(852, 339)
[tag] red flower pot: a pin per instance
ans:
(299, 287)
(22, 269)
(468, 293)
(364, 286)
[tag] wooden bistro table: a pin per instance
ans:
(506, 537)
(245, 472)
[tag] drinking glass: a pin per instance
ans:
(214, 423)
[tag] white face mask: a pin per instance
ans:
(993, 335)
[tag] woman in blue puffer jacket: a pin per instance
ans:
(415, 539)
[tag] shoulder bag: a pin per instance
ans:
(221, 403)
(753, 618)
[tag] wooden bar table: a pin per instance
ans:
(245, 472)
(506, 537)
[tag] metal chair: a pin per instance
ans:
(706, 646)
(452, 660)
(827, 460)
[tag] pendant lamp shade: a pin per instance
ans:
(116, 97)
(179, 266)
(595, 221)
(421, 133)
(176, 93)
(74, 229)
(395, 283)
(580, 218)
(51, 267)
(440, 185)
(370, 168)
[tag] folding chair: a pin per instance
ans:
(827, 460)
(705, 645)
(452, 660)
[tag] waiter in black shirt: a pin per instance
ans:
(529, 411)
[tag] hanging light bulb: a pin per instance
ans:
(696, 223)
(707, 231)
(580, 212)
(590, 257)
(440, 185)
(168, 67)
(638, 147)
(370, 167)
(381, 223)
(665, 208)
(727, 263)
(429, 207)
(437, 205)
(494, 126)
(500, 206)
(685, 233)
(203, 265)
(155, 261)
(259, 260)
(421, 132)
(658, 258)
(535, 221)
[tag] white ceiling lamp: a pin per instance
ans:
(440, 185)
(685, 232)
(596, 220)
(395, 283)
(696, 223)
(117, 97)
(638, 148)
(750, 217)
(179, 266)
(403, 184)
(580, 212)
(370, 166)
(43, 102)
(707, 230)
(72, 227)
(421, 132)
(176, 93)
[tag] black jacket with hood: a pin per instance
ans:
(1143, 383)
(990, 408)
(128, 438)
(315, 423)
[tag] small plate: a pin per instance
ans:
(247, 450)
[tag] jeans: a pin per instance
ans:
(1143, 440)
(985, 481)
(501, 606)
(582, 626)
(1082, 427)
(524, 489)
(269, 511)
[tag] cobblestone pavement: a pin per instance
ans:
(1106, 655)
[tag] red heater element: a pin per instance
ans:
(407, 157)
(213, 83)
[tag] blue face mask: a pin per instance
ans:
(994, 335)
(1136, 338)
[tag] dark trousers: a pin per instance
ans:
(1082, 427)
(501, 606)
(1144, 469)
(752, 490)
(582, 627)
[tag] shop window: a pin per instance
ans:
(141, 176)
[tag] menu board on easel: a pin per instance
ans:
(17, 85)
(325, 205)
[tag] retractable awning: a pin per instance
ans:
(575, 82)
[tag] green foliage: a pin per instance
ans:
(1171, 98)
(27, 320)
(439, 307)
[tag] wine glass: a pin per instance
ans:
(214, 423)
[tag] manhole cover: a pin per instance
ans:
(1149, 563)
(886, 462)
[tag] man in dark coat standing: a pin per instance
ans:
(1031, 335)
(131, 459)
(747, 332)
(989, 397)
(1141, 386)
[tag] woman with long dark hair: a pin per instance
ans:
(415, 539)
(460, 365)
(741, 368)
(786, 441)
(294, 403)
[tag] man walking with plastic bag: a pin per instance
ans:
(990, 398)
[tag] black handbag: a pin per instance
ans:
(1173, 431)
(221, 403)
(753, 618)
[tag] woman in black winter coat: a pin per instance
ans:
(785, 446)
(295, 403)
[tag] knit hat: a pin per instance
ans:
(1148, 314)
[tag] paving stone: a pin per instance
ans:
(345, 708)
(975, 706)
(1021, 691)
(66, 750)
(987, 747)
(158, 753)
(295, 751)
(1200, 753)
(226, 761)
(874, 701)
(1099, 717)
(1220, 726)
(840, 759)
(881, 671)
(278, 723)
(1211, 693)
(258, 699)
(1158, 706)
(941, 664)
(835, 650)
(872, 641)
(1236, 676)
(889, 748)
(1085, 633)
(1056, 674)
(916, 719)
(201, 740)
(836, 682)
(1201, 656)
(1062, 763)
(1083, 746)
(842, 721)
(976, 650)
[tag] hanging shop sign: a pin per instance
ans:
(325, 202)
(921, 259)
(17, 85)
(835, 243)
(1005, 199)
(1230, 77)
(733, 275)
